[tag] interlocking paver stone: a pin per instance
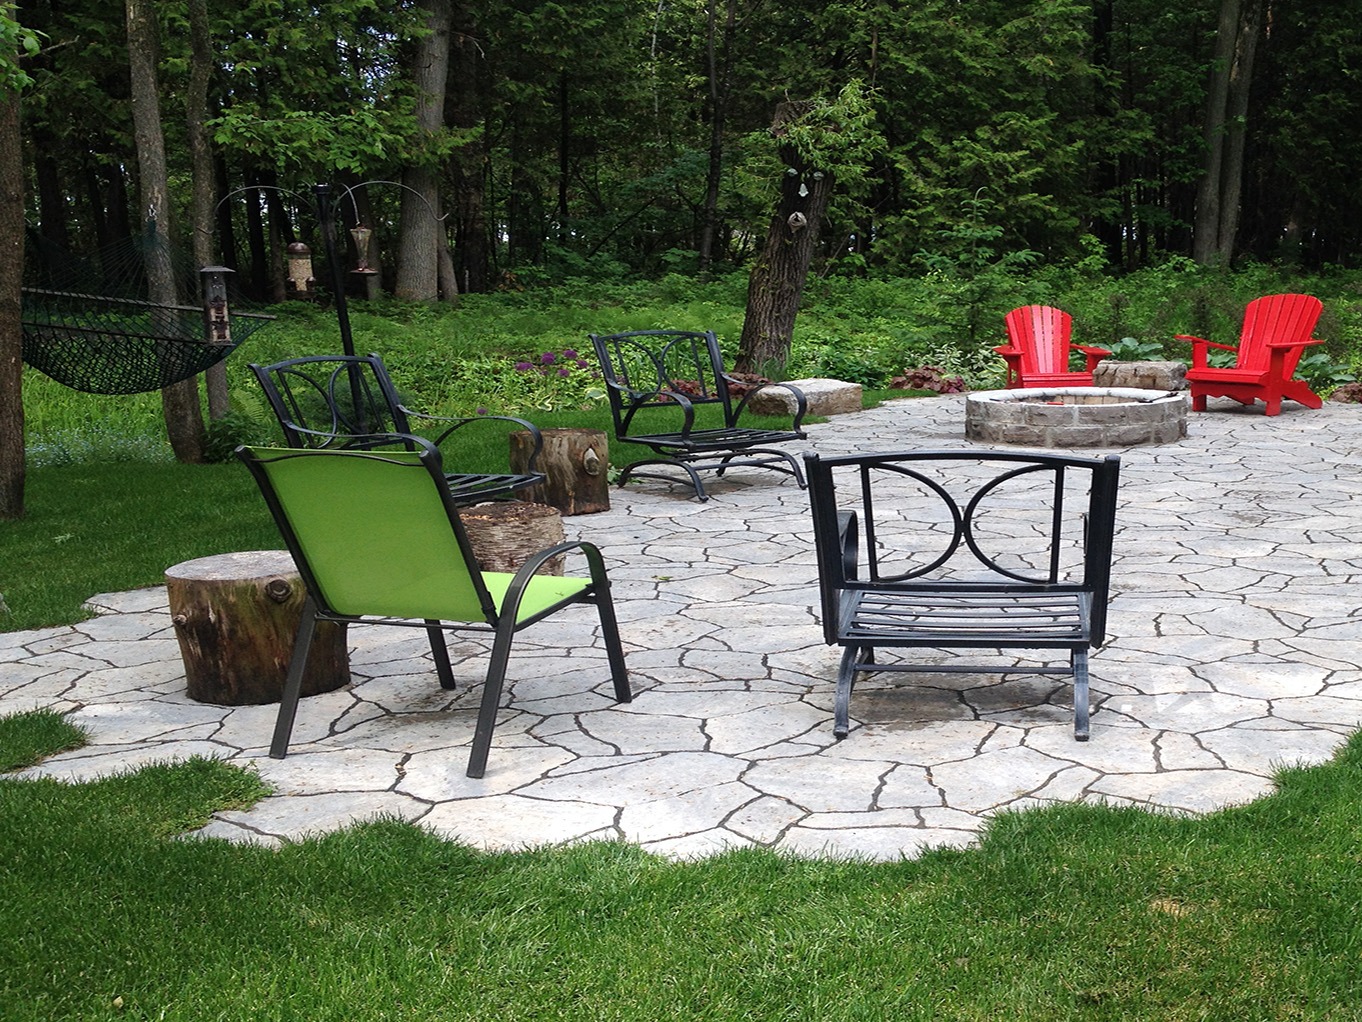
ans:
(1233, 649)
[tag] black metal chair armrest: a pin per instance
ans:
(801, 403)
(640, 399)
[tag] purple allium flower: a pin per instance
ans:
(569, 353)
(482, 411)
(548, 358)
(581, 363)
(522, 366)
(563, 371)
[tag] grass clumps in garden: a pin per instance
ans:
(26, 738)
(1073, 912)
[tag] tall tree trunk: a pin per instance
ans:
(1236, 119)
(720, 78)
(180, 401)
(467, 167)
(421, 235)
(11, 328)
(777, 280)
(1217, 203)
(564, 161)
(51, 192)
(204, 184)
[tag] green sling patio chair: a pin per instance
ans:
(377, 539)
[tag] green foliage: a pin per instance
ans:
(318, 142)
(223, 436)
(16, 43)
(1132, 349)
(1322, 372)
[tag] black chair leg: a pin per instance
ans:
(614, 650)
(1081, 695)
(632, 472)
(491, 695)
(846, 681)
(439, 652)
(293, 682)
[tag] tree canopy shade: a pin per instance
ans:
(609, 136)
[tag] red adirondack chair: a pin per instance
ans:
(1276, 331)
(1037, 352)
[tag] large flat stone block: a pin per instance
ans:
(1141, 375)
(824, 397)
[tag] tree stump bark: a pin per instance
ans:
(505, 533)
(236, 616)
(574, 464)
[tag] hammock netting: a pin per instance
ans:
(104, 345)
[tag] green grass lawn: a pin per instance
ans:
(1075, 912)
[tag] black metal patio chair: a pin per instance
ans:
(377, 539)
(658, 377)
(339, 401)
(963, 550)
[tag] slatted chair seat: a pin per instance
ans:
(987, 619)
(328, 402)
(964, 550)
(668, 373)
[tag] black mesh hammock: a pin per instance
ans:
(107, 345)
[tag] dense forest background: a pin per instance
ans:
(609, 137)
(506, 145)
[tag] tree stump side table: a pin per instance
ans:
(574, 463)
(505, 533)
(236, 616)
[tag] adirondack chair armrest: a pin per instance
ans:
(1199, 346)
(801, 403)
(458, 422)
(1287, 345)
(1092, 354)
(1008, 351)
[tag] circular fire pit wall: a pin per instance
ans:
(1076, 417)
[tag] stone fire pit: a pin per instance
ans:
(1076, 417)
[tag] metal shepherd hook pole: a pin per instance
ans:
(326, 215)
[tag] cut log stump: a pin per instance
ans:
(504, 533)
(236, 616)
(574, 464)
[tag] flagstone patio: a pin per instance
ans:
(1233, 648)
